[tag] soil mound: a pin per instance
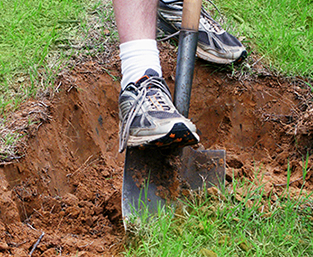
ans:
(68, 183)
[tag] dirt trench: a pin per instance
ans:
(67, 184)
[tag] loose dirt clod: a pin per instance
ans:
(68, 180)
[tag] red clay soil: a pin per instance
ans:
(67, 183)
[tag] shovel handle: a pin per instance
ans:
(191, 14)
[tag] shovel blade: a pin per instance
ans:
(203, 168)
(155, 177)
(144, 177)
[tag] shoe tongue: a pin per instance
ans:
(151, 73)
(148, 74)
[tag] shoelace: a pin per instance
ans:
(130, 116)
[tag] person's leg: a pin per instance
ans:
(136, 24)
(148, 118)
(135, 19)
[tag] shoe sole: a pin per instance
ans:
(215, 59)
(179, 136)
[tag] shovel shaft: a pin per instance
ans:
(184, 71)
(187, 47)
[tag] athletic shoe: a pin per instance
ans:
(214, 43)
(148, 117)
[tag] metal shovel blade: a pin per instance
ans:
(143, 170)
(155, 177)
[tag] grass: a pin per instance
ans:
(37, 38)
(242, 221)
(28, 30)
(279, 31)
(7, 142)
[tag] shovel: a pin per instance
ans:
(157, 177)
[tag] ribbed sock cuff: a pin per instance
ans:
(137, 56)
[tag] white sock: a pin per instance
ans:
(168, 1)
(137, 56)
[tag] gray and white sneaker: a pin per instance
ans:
(214, 43)
(148, 117)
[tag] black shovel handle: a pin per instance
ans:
(187, 46)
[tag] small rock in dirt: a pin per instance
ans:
(19, 252)
(50, 252)
(3, 246)
(70, 199)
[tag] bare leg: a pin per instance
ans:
(136, 23)
(136, 19)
